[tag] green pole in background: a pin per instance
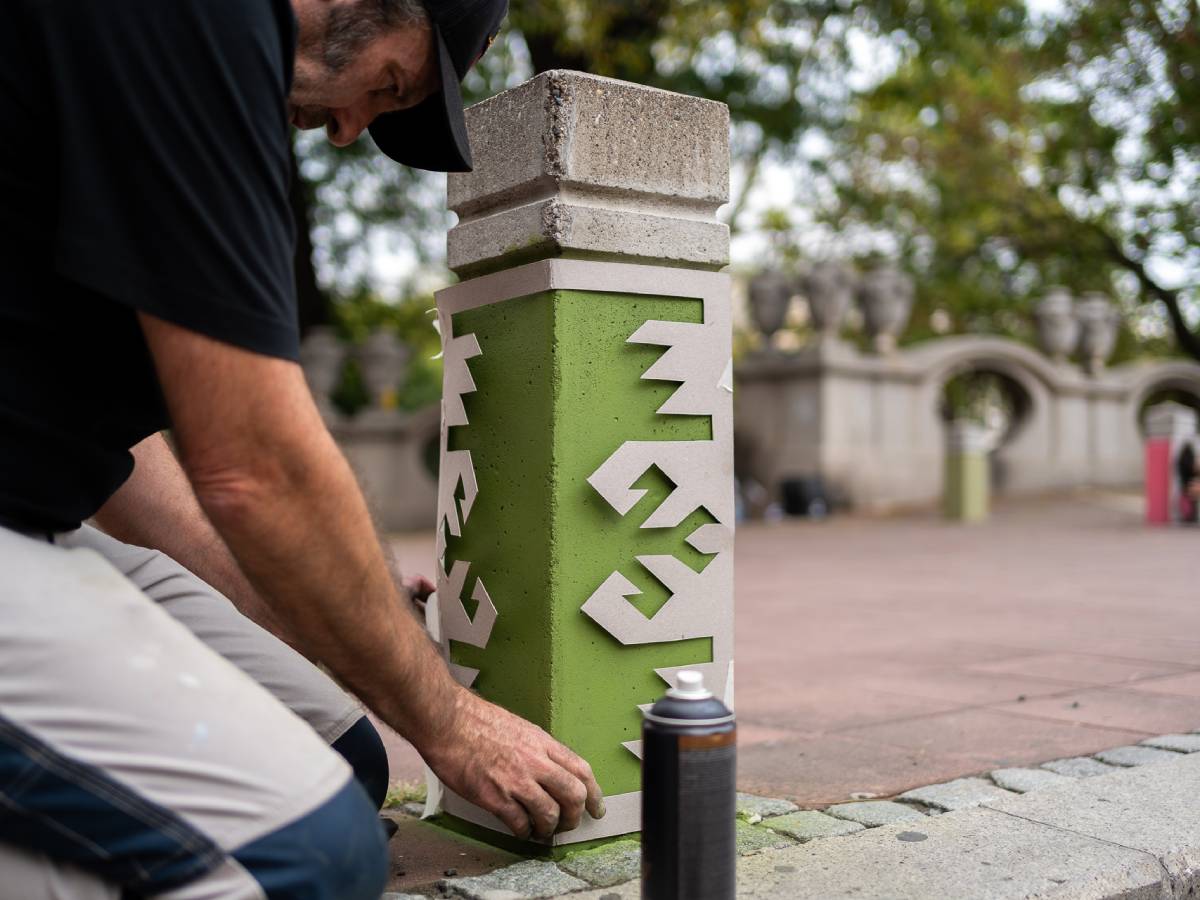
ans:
(585, 524)
(966, 487)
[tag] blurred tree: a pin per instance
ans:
(1008, 153)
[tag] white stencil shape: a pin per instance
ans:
(464, 675)
(608, 601)
(689, 359)
(456, 624)
(711, 538)
(456, 466)
(456, 376)
(702, 472)
(678, 619)
(635, 747)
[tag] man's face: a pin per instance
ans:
(391, 71)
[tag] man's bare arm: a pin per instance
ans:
(275, 487)
(157, 508)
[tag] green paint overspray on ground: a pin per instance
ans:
(558, 390)
(529, 849)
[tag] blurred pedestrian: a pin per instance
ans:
(1189, 484)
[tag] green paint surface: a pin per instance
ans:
(965, 491)
(559, 389)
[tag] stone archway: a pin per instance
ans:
(999, 404)
(871, 425)
(1177, 381)
(1019, 461)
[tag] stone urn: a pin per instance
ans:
(770, 294)
(1057, 326)
(321, 358)
(383, 361)
(1098, 319)
(829, 289)
(885, 295)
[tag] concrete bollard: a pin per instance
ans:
(966, 490)
(585, 516)
(1168, 427)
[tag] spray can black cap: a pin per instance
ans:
(690, 701)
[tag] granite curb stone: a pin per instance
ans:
(751, 805)
(1024, 780)
(1134, 755)
(530, 879)
(606, 865)
(962, 793)
(1180, 743)
(972, 853)
(874, 813)
(1079, 767)
(752, 838)
(631, 890)
(809, 825)
(1152, 809)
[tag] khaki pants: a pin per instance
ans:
(154, 742)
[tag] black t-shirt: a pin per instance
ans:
(143, 166)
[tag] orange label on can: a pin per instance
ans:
(707, 741)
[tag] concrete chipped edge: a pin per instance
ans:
(1153, 874)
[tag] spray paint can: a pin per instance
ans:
(689, 776)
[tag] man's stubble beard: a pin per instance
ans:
(324, 48)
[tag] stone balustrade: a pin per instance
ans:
(1064, 326)
(884, 296)
(393, 452)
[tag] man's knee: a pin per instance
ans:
(362, 747)
(336, 851)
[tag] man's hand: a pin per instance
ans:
(418, 588)
(513, 769)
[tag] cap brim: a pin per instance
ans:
(433, 134)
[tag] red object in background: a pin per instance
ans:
(1158, 481)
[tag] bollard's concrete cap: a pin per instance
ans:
(575, 164)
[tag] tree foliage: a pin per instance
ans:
(1007, 153)
(997, 153)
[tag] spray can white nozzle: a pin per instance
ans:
(689, 685)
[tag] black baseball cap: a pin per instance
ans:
(433, 134)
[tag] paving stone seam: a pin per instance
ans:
(1158, 861)
(1082, 834)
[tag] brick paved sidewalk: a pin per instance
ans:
(877, 655)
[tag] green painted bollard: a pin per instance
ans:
(966, 487)
(585, 523)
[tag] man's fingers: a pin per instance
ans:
(578, 766)
(418, 586)
(514, 816)
(570, 794)
(542, 809)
